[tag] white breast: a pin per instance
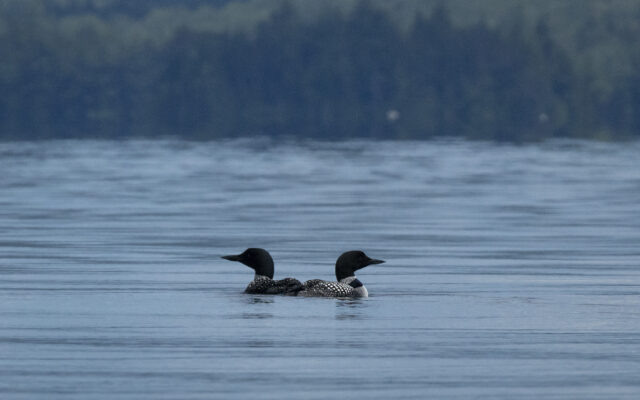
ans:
(361, 291)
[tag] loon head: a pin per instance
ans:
(351, 261)
(257, 259)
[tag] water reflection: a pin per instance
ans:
(350, 309)
(350, 303)
(257, 315)
(260, 300)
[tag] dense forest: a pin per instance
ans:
(88, 68)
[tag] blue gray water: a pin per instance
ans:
(512, 271)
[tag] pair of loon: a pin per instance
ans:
(346, 285)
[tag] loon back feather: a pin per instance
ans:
(320, 288)
(263, 285)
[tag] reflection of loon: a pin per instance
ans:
(260, 261)
(347, 286)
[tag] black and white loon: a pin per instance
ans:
(347, 285)
(261, 262)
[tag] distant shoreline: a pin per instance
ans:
(351, 72)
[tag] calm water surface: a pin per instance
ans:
(512, 271)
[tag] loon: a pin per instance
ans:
(260, 261)
(347, 285)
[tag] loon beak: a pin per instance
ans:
(374, 261)
(232, 258)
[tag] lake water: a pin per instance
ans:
(512, 271)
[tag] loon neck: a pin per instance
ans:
(348, 279)
(258, 276)
(359, 289)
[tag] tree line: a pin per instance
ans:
(354, 75)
